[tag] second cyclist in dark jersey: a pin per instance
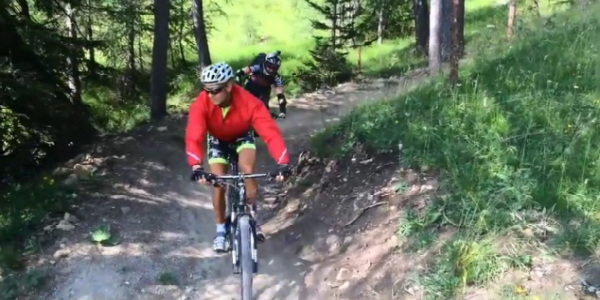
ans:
(263, 74)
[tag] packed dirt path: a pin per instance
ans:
(166, 224)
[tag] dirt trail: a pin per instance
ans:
(166, 223)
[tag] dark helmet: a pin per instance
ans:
(272, 63)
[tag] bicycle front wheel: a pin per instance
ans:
(246, 261)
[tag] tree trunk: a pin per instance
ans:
(140, 56)
(24, 9)
(180, 33)
(131, 45)
(421, 16)
(380, 27)
(130, 75)
(445, 30)
(158, 90)
(335, 22)
(353, 10)
(200, 33)
(172, 55)
(91, 64)
(435, 53)
(461, 28)
(454, 55)
(182, 52)
(535, 7)
(73, 60)
(512, 14)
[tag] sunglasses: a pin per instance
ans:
(214, 91)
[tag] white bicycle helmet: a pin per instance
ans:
(216, 74)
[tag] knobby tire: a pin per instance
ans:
(246, 262)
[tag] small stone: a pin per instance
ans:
(426, 187)
(83, 171)
(330, 166)
(125, 209)
(48, 227)
(61, 253)
(332, 239)
(162, 128)
(343, 275)
(270, 199)
(60, 171)
(70, 218)
(537, 272)
(71, 180)
(344, 286)
(65, 225)
(368, 161)
(333, 242)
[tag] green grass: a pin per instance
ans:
(517, 144)
(22, 209)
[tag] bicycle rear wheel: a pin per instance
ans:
(246, 261)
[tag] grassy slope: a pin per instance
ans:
(517, 144)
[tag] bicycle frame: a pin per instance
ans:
(238, 208)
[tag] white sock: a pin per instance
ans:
(221, 228)
(252, 210)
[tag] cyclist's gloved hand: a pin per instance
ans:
(282, 105)
(199, 175)
(283, 172)
(240, 73)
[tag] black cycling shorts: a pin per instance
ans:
(260, 92)
(218, 150)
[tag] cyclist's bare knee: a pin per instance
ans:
(247, 158)
(218, 169)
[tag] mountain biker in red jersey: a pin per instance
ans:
(227, 113)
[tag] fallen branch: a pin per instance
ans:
(363, 211)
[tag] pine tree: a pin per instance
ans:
(329, 64)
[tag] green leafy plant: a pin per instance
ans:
(102, 235)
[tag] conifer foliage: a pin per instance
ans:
(340, 27)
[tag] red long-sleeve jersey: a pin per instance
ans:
(245, 112)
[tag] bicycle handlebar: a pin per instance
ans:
(243, 176)
(216, 180)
